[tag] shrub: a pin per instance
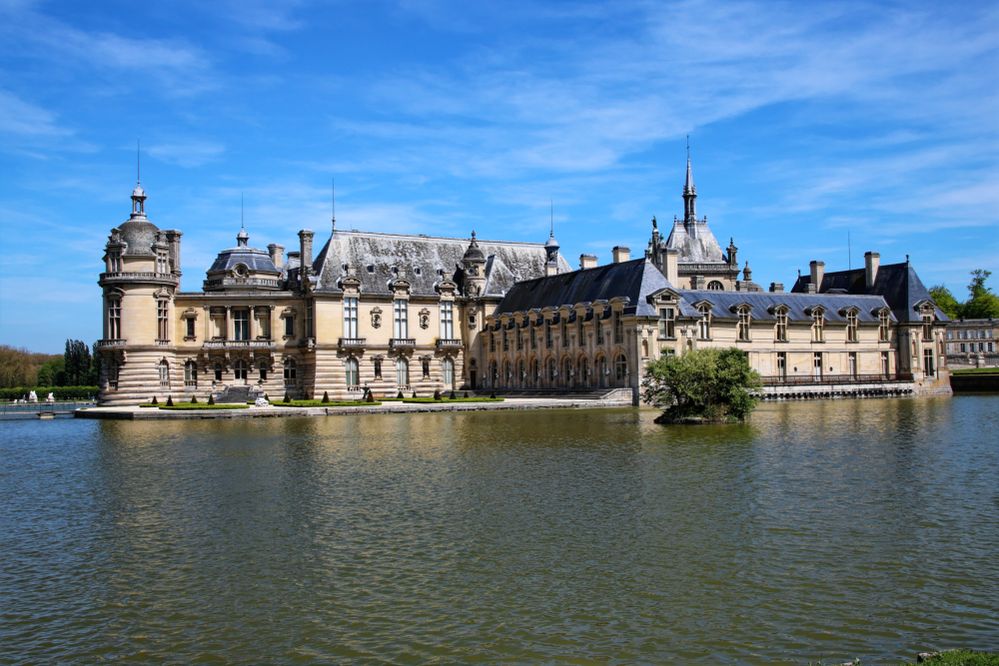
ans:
(453, 396)
(194, 399)
(414, 394)
(326, 397)
(399, 396)
(169, 401)
(287, 398)
(437, 394)
(369, 396)
(710, 384)
(154, 401)
(211, 399)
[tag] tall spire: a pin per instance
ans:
(689, 192)
(242, 238)
(138, 194)
(333, 204)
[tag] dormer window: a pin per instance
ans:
(162, 263)
(780, 330)
(743, 326)
(818, 325)
(884, 325)
(667, 323)
(704, 323)
(851, 326)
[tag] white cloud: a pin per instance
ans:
(187, 153)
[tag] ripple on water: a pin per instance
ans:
(817, 531)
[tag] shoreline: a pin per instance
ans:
(135, 413)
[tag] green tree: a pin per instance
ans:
(52, 373)
(982, 303)
(945, 301)
(713, 384)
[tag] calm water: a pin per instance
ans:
(825, 530)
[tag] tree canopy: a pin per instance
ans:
(981, 303)
(709, 384)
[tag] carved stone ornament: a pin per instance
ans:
(424, 318)
(376, 317)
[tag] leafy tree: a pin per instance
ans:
(52, 373)
(713, 384)
(945, 301)
(77, 363)
(983, 303)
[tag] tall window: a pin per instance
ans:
(377, 363)
(927, 327)
(218, 372)
(564, 330)
(402, 372)
(309, 320)
(350, 368)
(818, 325)
(425, 367)
(742, 328)
(492, 341)
(520, 339)
(162, 263)
(579, 330)
(704, 323)
(506, 342)
(852, 359)
(162, 321)
(667, 323)
(620, 367)
(350, 317)
(884, 324)
(262, 370)
(241, 324)
(164, 368)
(817, 365)
(534, 338)
(114, 318)
(290, 371)
(851, 326)
(885, 364)
(618, 328)
(548, 334)
(447, 320)
(598, 326)
(289, 326)
(928, 365)
(114, 261)
(190, 375)
(782, 365)
(400, 319)
(447, 370)
(552, 371)
(190, 327)
(239, 370)
(781, 329)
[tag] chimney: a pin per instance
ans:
(872, 261)
(587, 261)
(620, 254)
(305, 244)
(777, 287)
(818, 269)
(672, 267)
(277, 254)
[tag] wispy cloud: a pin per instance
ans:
(187, 153)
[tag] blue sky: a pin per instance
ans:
(809, 122)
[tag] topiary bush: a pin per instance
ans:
(211, 399)
(169, 401)
(326, 397)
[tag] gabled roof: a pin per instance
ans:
(897, 283)
(424, 261)
(635, 280)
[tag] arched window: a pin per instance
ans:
(191, 374)
(350, 368)
(402, 372)
(447, 370)
(164, 368)
(621, 368)
(290, 371)
(239, 370)
(715, 285)
(262, 370)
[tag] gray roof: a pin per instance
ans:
(635, 280)
(254, 259)
(377, 259)
(897, 283)
(139, 235)
(695, 243)
(763, 305)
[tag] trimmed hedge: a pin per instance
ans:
(320, 403)
(203, 405)
(60, 392)
(446, 400)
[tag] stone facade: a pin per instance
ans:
(972, 343)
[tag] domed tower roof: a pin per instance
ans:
(474, 252)
(137, 232)
(551, 242)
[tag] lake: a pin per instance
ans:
(819, 530)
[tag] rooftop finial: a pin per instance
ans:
(551, 223)
(333, 203)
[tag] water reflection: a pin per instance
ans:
(822, 530)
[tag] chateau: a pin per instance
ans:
(414, 313)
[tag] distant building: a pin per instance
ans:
(971, 343)
(414, 313)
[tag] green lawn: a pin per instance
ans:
(200, 405)
(443, 400)
(320, 403)
(975, 371)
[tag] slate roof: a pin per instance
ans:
(424, 261)
(763, 304)
(635, 279)
(696, 244)
(139, 234)
(254, 259)
(897, 283)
